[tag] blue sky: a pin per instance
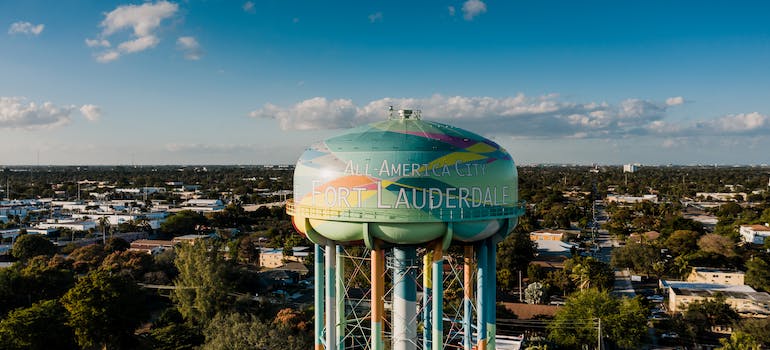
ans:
(253, 82)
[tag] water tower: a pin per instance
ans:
(401, 188)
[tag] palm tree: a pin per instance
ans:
(104, 223)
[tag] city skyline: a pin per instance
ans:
(250, 82)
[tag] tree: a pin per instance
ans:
(104, 224)
(201, 287)
(587, 272)
(129, 263)
(758, 328)
(718, 244)
(535, 293)
(702, 315)
(88, 257)
(640, 257)
(236, 331)
(623, 322)
(514, 254)
(182, 223)
(116, 244)
(41, 326)
(758, 273)
(739, 341)
(682, 242)
(28, 246)
(105, 309)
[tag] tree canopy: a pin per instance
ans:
(624, 321)
(28, 246)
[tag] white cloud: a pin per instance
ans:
(744, 122)
(138, 44)
(97, 43)
(451, 10)
(18, 113)
(675, 101)
(142, 20)
(248, 6)
(107, 56)
(191, 48)
(315, 113)
(473, 8)
(375, 17)
(540, 116)
(91, 112)
(26, 28)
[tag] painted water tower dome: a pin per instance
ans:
(405, 180)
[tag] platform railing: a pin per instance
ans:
(406, 215)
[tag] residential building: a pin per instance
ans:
(551, 243)
(716, 275)
(630, 168)
(151, 246)
(631, 199)
(755, 234)
(743, 299)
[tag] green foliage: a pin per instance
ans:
(170, 332)
(202, 286)
(739, 341)
(758, 273)
(183, 223)
(87, 258)
(115, 244)
(128, 263)
(682, 242)
(642, 258)
(42, 278)
(105, 310)
(28, 246)
(515, 252)
(758, 328)
(702, 315)
(41, 326)
(624, 322)
(587, 272)
(235, 331)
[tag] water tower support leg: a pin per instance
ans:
(378, 294)
(438, 298)
(404, 299)
(331, 300)
(427, 284)
(468, 297)
(482, 297)
(340, 293)
(492, 302)
(319, 296)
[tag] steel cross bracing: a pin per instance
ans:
(357, 312)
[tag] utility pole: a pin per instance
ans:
(599, 337)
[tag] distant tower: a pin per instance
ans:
(405, 189)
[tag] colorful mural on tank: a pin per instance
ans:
(409, 171)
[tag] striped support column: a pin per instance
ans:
(331, 300)
(404, 299)
(378, 296)
(427, 284)
(319, 296)
(492, 288)
(340, 293)
(438, 298)
(467, 298)
(481, 298)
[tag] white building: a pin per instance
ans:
(754, 233)
(630, 168)
(631, 199)
(72, 225)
